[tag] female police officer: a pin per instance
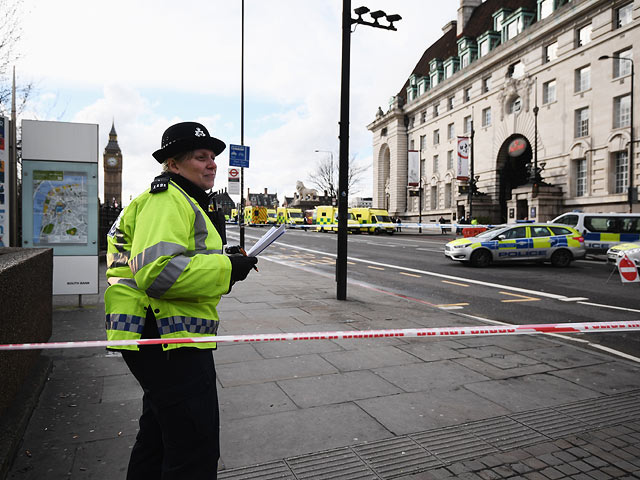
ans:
(166, 273)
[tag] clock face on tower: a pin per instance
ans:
(112, 161)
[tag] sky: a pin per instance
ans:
(145, 65)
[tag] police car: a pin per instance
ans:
(631, 250)
(539, 242)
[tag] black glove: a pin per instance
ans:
(241, 266)
(233, 250)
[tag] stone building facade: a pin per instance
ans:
(525, 80)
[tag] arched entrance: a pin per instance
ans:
(513, 167)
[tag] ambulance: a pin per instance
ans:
(601, 231)
(234, 215)
(326, 220)
(324, 216)
(290, 216)
(272, 216)
(376, 220)
(255, 215)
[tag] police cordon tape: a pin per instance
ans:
(432, 225)
(435, 332)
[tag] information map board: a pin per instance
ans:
(60, 200)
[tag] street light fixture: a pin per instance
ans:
(630, 195)
(343, 172)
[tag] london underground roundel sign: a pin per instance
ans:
(517, 147)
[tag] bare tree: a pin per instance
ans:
(326, 175)
(10, 33)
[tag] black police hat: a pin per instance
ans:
(185, 136)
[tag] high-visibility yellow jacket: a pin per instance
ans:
(163, 251)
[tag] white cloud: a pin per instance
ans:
(147, 65)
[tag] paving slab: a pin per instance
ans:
(531, 391)
(415, 412)
(443, 374)
(265, 438)
(563, 359)
(246, 401)
(368, 358)
(336, 388)
(610, 377)
(272, 369)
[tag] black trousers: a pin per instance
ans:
(179, 425)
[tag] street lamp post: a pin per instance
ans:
(536, 109)
(331, 184)
(630, 195)
(343, 174)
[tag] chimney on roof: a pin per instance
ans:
(464, 13)
(265, 191)
(449, 26)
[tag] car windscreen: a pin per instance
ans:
(490, 232)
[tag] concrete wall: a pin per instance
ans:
(26, 287)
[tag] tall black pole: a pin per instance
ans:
(631, 158)
(241, 209)
(420, 191)
(472, 180)
(343, 175)
(13, 169)
(536, 173)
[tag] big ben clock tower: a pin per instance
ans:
(112, 170)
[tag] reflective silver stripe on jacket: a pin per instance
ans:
(168, 276)
(130, 282)
(189, 324)
(154, 252)
(120, 259)
(124, 323)
(160, 249)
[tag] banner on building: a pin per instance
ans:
(413, 177)
(4, 182)
(462, 170)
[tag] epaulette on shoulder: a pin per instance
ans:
(159, 184)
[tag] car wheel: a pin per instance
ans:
(480, 258)
(561, 258)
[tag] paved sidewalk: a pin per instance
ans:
(486, 407)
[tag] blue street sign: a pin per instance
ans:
(238, 156)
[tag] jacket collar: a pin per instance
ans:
(192, 190)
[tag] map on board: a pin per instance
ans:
(60, 207)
